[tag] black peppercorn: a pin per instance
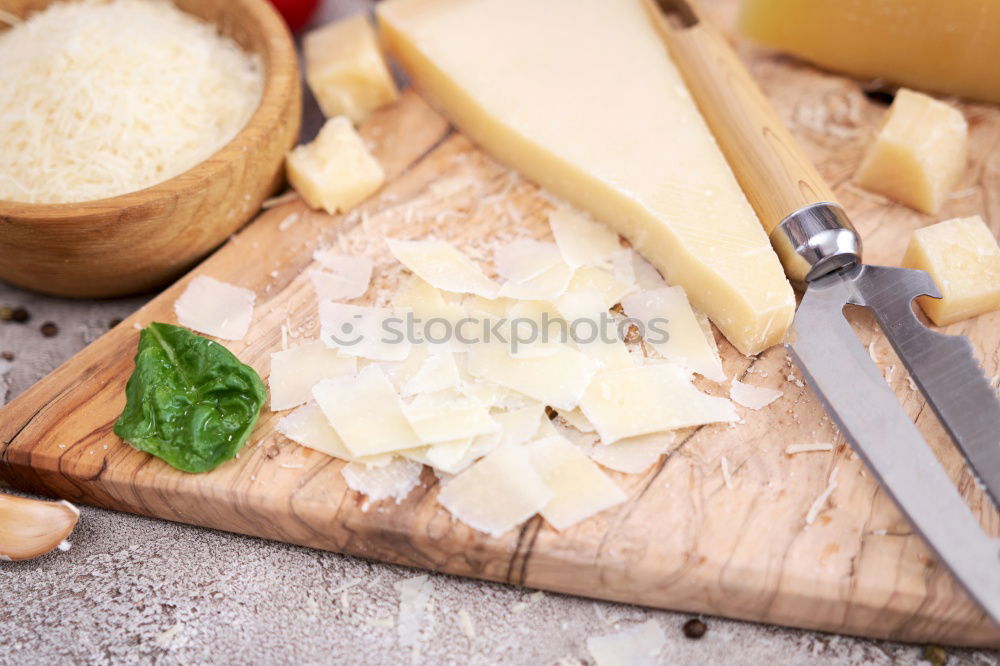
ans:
(49, 329)
(695, 628)
(20, 315)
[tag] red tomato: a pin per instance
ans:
(296, 12)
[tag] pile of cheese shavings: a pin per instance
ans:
(101, 98)
(478, 412)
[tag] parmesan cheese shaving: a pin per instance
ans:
(345, 277)
(792, 449)
(651, 398)
(582, 241)
(295, 371)
(308, 426)
(498, 493)
(357, 330)
(443, 266)
(100, 98)
(215, 308)
(633, 455)
(580, 489)
(557, 379)
(753, 397)
(820, 501)
(394, 480)
(445, 416)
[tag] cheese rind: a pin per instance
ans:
(601, 117)
(919, 153)
(948, 47)
(345, 69)
(335, 172)
(963, 257)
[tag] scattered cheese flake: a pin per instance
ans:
(525, 259)
(215, 308)
(582, 241)
(349, 280)
(634, 454)
(295, 371)
(592, 279)
(580, 488)
(308, 427)
(414, 596)
(636, 646)
(497, 493)
(669, 324)
(546, 286)
(646, 275)
(426, 302)
(820, 501)
(577, 419)
(394, 480)
(727, 476)
(465, 623)
(366, 412)
(437, 372)
(558, 379)
(753, 397)
(792, 449)
(288, 221)
(359, 330)
(593, 330)
(446, 416)
(441, 265)
(646, 399)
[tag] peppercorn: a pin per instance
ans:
(20, 315)
(7, 356)
(695, 628)
(49, 329)
(114, 322)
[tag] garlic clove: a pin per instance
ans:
(30, 528)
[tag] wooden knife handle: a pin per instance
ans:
(770, 167)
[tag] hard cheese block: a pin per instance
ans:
(583, 99)
(919, 153)
(963, 258)
(345, 69)
(949, 47)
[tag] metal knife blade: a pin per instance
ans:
(840, 371)
(943, 367)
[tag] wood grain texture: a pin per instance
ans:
(683, 540)
(140, 240)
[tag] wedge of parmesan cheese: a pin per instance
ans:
(395, 479)
(498, 493)
(580, 489)
(215, 308)
(753, 397)
(601, 117)
(442, 266)
(366, 412)
(650, 398)
(669, 324)
(295, 371)
(582, 241)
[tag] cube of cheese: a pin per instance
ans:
(345, 69)
(919, 153)
(963, 257)
(335, 171)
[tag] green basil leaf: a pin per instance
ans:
(190, 401)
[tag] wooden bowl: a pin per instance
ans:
(140, 240)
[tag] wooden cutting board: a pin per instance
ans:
(683, 540)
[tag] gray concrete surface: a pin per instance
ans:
(133, 590)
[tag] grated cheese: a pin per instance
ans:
(215, 308)
(102, 98)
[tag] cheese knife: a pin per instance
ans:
(821, 253)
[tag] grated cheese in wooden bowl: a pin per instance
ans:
(101, 98)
